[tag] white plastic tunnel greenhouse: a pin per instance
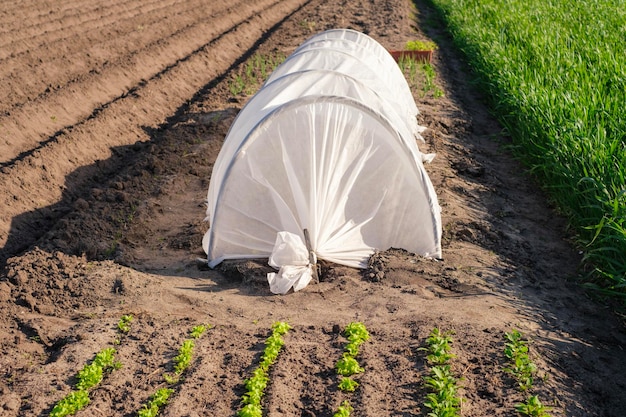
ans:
(323, 163)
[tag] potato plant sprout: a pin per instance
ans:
(442, 399)
(522, 369)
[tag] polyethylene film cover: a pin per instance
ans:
(290, 87)
(351, 35)
(334, 167)
(353, 63)
(373, 55)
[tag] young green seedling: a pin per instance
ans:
(523, 370)
(157, 400)
(181, 363)
(520, 366)
(256, 384)
(348, 366)
(185, 353)
(344, 410)
(532, 408)
(443, 399)
(88, 377)
(348, 384)
(124, 324)
(356, 333)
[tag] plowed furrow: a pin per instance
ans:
(101, 18)
(28, 20)
(28, 124)
(42, 174)
(98, 50)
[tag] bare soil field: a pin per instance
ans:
(112, 116)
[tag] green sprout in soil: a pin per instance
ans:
(439, 347)
(356, 333)
(344, 410)
(523, 370)
(197, 331)
(254, 72)
(88, 377)
(443, 399)
(124, 324)
(185, 353)
(256, 384)
(181, 363)
(532, 408)
(157, 400)
(520, 366)
(348, 384)
(420, 76)
(348, 366)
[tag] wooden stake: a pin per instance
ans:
(312, 258)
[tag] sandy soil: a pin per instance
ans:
(111, 119)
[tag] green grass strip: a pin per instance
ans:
(555, 73)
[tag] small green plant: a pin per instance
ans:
(343, 410)
(443, 399)
(420, 46)
(256, 384)
(124, 324)
(356, 333)
(237, 85)
(532, 408)
(348, 384)
(185, 353)
(348, 366)
(199, 330)
(157, 400)
(70, 404)
(88, 377)
(92, 374)
(520, 366)
(438, 349)
(181, 363)
(184, 357)
(523, 370)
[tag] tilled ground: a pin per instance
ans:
(111, 120)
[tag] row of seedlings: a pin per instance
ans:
(348, 366)
(92, 374)
(256, 384)
(522, 369)
(181, 363)
(443, 398)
